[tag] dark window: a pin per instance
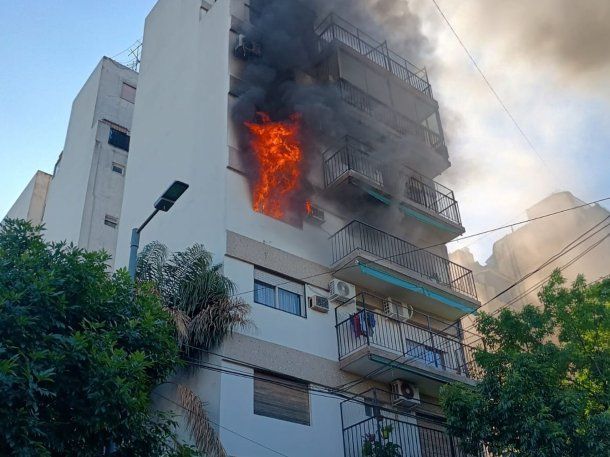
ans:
(281, 398)
(118, 168)
(111, 221)
(119, 139)
(264, 294)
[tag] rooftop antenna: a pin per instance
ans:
(135, 52)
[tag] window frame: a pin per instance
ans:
(111, 221)
(125, 83)
(116, 131)
(115, 166)
(278, 381)
(276, 289)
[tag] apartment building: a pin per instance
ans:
(85, 194)
(345, 267)
(31, 202)
(528, 247)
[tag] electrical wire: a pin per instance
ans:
(369, 262)
(562, 252)
(221, 426)
(493, 91)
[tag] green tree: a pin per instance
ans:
(80, 353)
(202, 302)
(545, 391)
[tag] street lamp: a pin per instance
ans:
(164, 203)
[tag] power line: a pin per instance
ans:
(369, 262)
(562, 252)
(221, 426)
(493, 91)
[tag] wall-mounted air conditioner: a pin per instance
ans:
(397, 310)
(404, 393)
(341, 291)
(318, 303)
(244, 48)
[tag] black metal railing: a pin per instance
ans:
(351, 156)
(433, 196)
(360, 236)
(415, 343)
(400, 123)
(413, 440)
(334, 29)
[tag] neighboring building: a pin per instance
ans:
(326, 309)
(528, 247)
(30, 204)
(85, 195)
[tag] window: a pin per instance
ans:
(118, 139)
(279, 293)
(281, 398)
(111, 221)
(128, 92)
(118, 168)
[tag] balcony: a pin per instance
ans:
(372, 343)
(365, 417)
(376, 260)
(333, 29)
(423, 200)
(399, 123)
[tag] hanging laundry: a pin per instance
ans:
(356, 324)
(371, 322)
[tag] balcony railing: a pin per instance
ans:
(360, 236)
(433, 196)
(365, 417)
(333, 28)
(351, 156)
(355, 156)
(362, 101)
(414, 342)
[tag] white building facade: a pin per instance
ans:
(83, 205)
(31, 202)
(358, 294)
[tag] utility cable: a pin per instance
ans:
(493, 91)
(345, 267)
(220, 426)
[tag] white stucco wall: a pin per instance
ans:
(180, 128)
(314, 334)
(323, 437)
(31, 202)
(84, 189)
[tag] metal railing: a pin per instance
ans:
(400, 123)
(369, 416)
(433, 196)
(360, 236)
(367, 328)
(333, 28)
(351, 156)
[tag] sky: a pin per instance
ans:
(548, 60)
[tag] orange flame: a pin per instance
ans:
(278, 152)
(308, 208)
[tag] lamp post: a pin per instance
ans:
(163, 203)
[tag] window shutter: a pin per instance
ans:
(281, 398)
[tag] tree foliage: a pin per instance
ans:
(80, 352)
(545, 391)
(201, 301)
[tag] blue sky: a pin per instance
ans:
(47, 50)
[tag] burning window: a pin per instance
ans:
(278, 153)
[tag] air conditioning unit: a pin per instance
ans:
(315, 215)
(245, 48)
(404, 393)
(341, 291)
(318, 303)
(397, 310)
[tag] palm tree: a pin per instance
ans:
(202, 303)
